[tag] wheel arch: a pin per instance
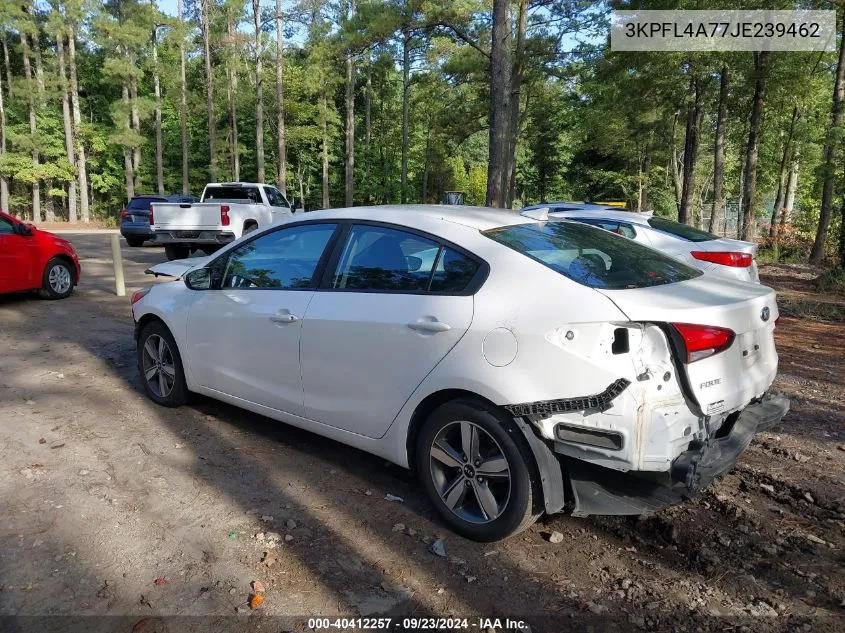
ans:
(66, 259)
(250, 222)
(546, 466)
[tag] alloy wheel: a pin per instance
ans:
(59, 279)
(470, 472)
(158, 366)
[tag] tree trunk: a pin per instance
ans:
(324, 107)
(694, 116)
(406, 94)
(762, 61)
(646, 178)
(209, 91)
(676, 163)
(717, 216)
(517, 72)
(368, 100)
(128, 164)
(349, 181)
(231, 91)
(280, 102)
(791, 186)
(259, 93)
(8, 67)
(426, 160)
(830, 156)
(783, 174)
(68, 126)
(157, 92)
(27, 71)
(81, 165)
(136, 127)
(498, 140)
(183, 111)
(4, 185)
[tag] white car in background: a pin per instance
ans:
(705, 251)
(482, 348)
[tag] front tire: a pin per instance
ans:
(160, 366)
(57, 280)
(176, 251)
(478, 471)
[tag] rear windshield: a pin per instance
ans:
(683, 231)
(250, 194)
(591, 256)
(138, 204)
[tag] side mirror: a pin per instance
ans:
(296, 205)
(24, 229)
(199, 279)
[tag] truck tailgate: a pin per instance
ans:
(198, 216)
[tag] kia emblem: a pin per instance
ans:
(764, 313)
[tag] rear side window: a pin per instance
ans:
(592, 257)
(379, 258)
(143, 204)
(682, 231)
(382, 259)
(453, 272)
(245, 194)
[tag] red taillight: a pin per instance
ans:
(725, 258)
(124, 214)
(702, 341)
(152, 218)
(224, 214)
(138, 295)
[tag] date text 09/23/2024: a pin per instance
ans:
(415, 624)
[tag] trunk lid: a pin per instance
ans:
(728, 380)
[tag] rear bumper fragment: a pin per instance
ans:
(597, 402)
(193, 237)
(596, 490)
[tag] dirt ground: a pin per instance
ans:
(114, 506)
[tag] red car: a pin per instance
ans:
(31, 259)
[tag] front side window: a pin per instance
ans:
(682, 231)
(380, 258)
(275, 197)
(7, 227)
(284, 259)
(592, 257)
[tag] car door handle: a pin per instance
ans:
(283, 316)
(429, 326)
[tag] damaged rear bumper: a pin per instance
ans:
(596, 490)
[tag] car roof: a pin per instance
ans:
(426, 215)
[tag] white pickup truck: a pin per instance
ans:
(226, 211)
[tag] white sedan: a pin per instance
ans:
(710, 253)
(499, 356)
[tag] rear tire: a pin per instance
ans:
(57, 280)
(135, 242)
(489, 495)
(160, 366)
(176, 251)
(249, 226)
